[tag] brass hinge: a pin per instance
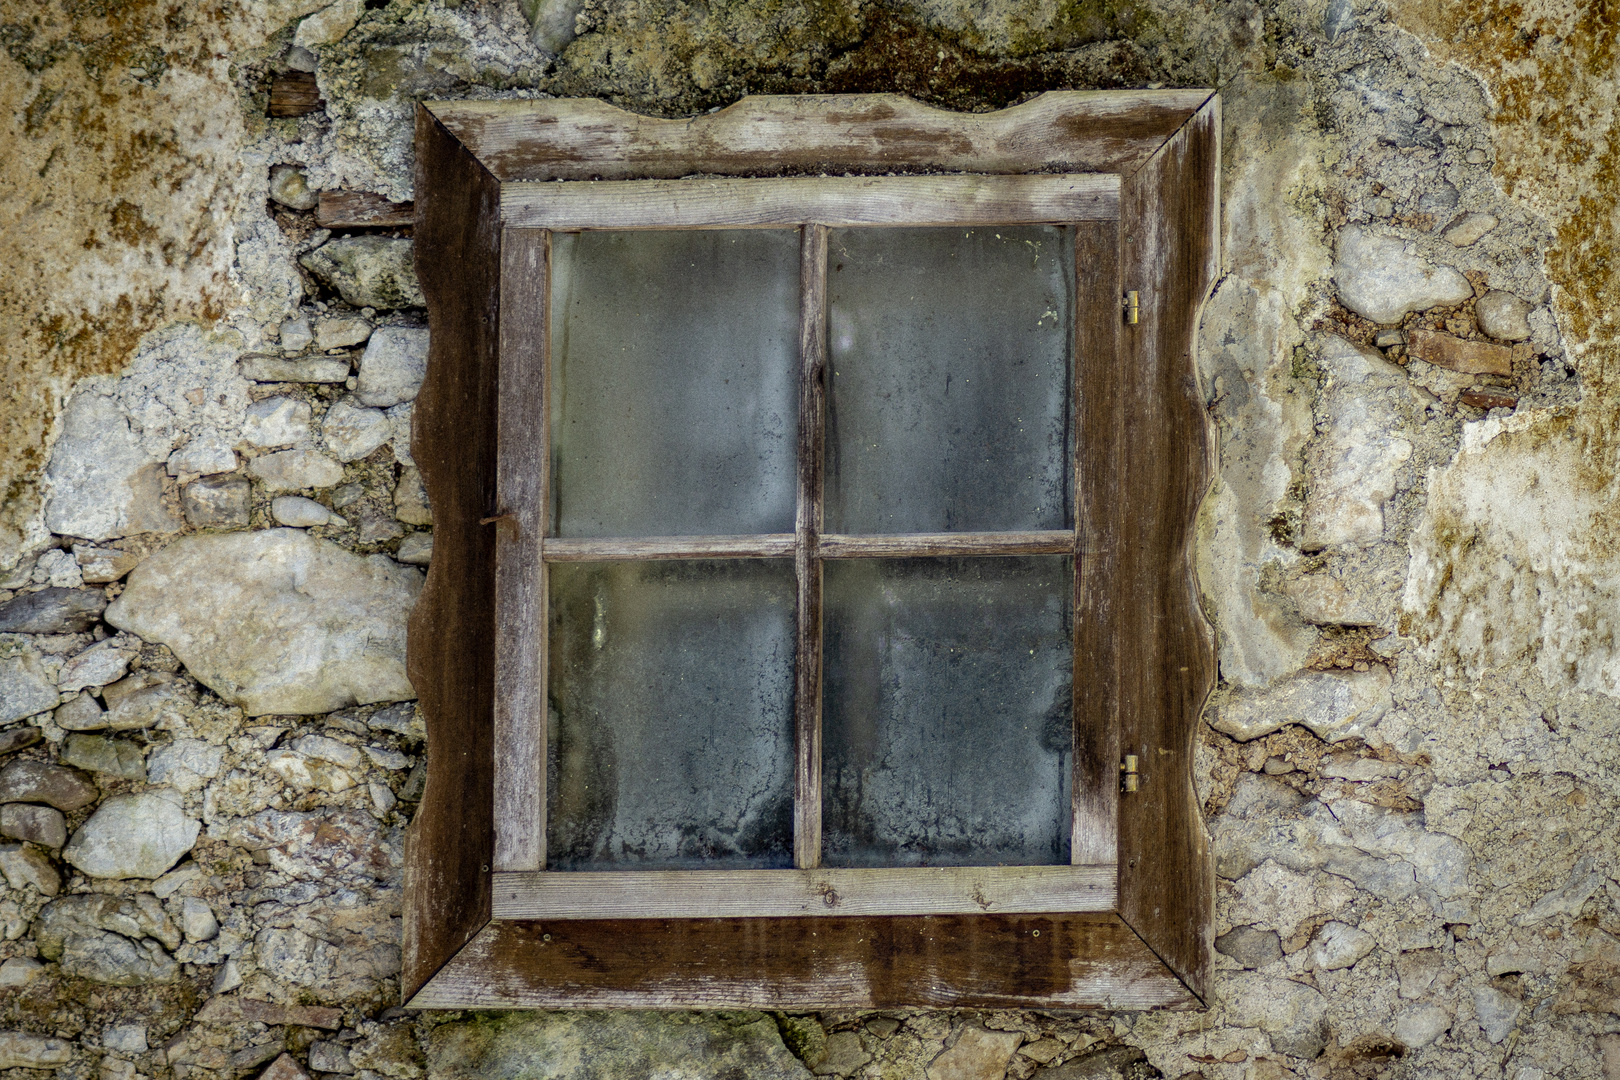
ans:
(1129, 778)
(1133, 307)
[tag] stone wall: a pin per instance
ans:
(212, 529)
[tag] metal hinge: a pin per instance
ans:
(1129, 778)
(1133, 307)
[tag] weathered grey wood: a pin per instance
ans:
(585, 139)
(1084, 961)
(922, 545)
(361, 210)
(765, 894)
(837, 201)
(451, 649)
(294, 93)
(520, 573)
(616, 549)
(1099, 507)
(1166, 651)
(807, 562)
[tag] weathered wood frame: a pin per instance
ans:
(1127, 926)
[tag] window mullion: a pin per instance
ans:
(807, 559)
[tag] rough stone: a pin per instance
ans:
(98, 566)
(319, 845)
(1358, 452)
(977, 1054)
(1294, 1015)
(298, 512)
(295, 470)
(145, 700)
(125, 1039)
(1420, 1025)
(205, 455)
(403, 719)
(290, 188)
(1380, 280)
(115, 757)
(238, 1010)
(1503, 316)
(329, 1057)
(1460, 354)
(1417, 969)
(284, 1067)
(368, 271)
(303, 773)
(1496, 1011)
(327, 26)
(1250, 946)
(38, 782)
(312, 628)
(1321, 599)
(19, 738)
(103, 482)
(271, 369)
(217, 502)
(295, 335)
(109, 939)
(1339, 945)
(351, 431)
(1569, 898)
(277, 422)
(1114, 1063)
(1334, 705)
(41, 825)
(23, 1050)
(101, 664)
(197, 920)
(185, 764)
(19, 971)
(23, 866)
(411, 499)
(340, 332)
(52, 611)
(26, 688)
(393, 366)
(416, 549)
(586, 1045)
(1470, 229)
(132, 836)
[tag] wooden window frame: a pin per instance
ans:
(1128, 924)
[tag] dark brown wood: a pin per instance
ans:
(1099, 508)
(1166, 649)
(361, 210)
(520, 573)
(1084, 961)
(925, 545)
(582, 139)
(924, 890)
(836, 201)
(451, 643)
(618, 549)
(294, 93)
(807, 555)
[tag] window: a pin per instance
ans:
(811, 621)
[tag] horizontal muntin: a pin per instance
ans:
(829, 546)
(687, 894)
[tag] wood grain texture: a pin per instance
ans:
(520, 574)
(837, 201)
(807, 653)
(361, 210)
(926, 545)
(1166, 650)
(293, 93)
(617, 549)
(1084, 961)
(824, 892)
(1100, 508)
(586, 139)
(450, 655)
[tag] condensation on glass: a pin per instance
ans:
(949, 405)
(947, 715)
(674, 358)
(671, 715)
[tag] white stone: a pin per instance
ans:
(276, 422)
(368, 271)
(132, 836)
(416, 549)
(403, 417)
(340, 331)
(125, 1039)
(306, 628)
(19, 971)
(81, 712)
(228, 978)
(308, 774)
(58, 569)
(185, 764)
(197, 920)
(1496, 1011)
(1294, 1015)
(26, 687)
(102, 482)
(101, 664)
(978, 1054)
(206, 455)
(1570, 897)
(381, 797)
(1471, 228)
(1380, 280)
(1334, 705)
(1420, 1025)
(23, 866)
(296, 335)
(1358, 452)
(1503, 316)
(1321, 599)
(298, 512)
(1339, 945)
(393, 365)
(295, 470)
(290, 187)
(353, 431)
(98, 566)
(411, 499)
(384, 758)
(327, 26)
(21, 1050)
(321, 748)
(182, 384)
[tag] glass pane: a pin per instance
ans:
(949, 408)
(671, 720)
(946, 737)
(674, 382)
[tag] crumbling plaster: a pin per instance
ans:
(1409, 766)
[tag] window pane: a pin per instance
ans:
(947, 711)
(949, 407)
(674, 382)
(671, 720)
